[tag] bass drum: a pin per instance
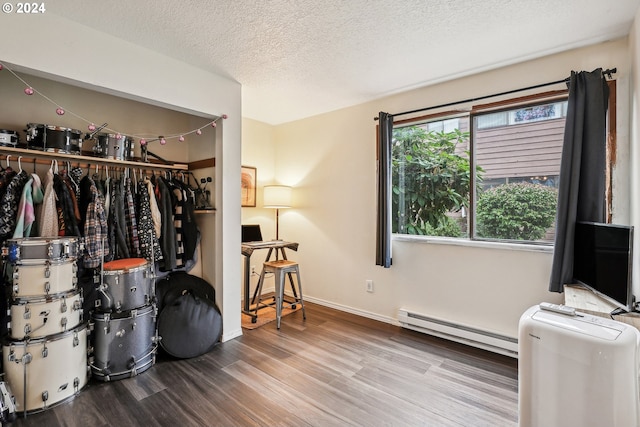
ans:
(39, 250)
(53, 138)
(126, 284)
(45, 371)
(39, 317)
(31, 280)
(125, 344)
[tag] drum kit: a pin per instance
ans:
(58, 139)
(51, 350)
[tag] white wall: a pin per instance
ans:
(330, 160)
(62, 50)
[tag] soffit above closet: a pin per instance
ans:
(296, 59)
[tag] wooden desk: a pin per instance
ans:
(279, 247)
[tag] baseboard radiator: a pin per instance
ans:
(464, 334)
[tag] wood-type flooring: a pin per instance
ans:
(334, 369)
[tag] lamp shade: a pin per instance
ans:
(277, 196)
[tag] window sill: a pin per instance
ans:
(527, 247)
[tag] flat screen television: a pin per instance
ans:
(603, 261)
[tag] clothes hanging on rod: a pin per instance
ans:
(114, 215)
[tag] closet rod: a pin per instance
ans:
(46, 157)
(13, 161)
(605, 73)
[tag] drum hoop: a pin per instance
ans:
(122, 315)
(46, 262)
(34, 241)
(46, 298)
(8, 341)
(123, 271)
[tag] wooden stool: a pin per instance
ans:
(281, 269)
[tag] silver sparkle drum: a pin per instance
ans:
(38, 250)
(125, 344)
(9, 138)
(52, 138)
(31, 280)
(45, 371)
(39, 317)
(109, 146)
(126, 284)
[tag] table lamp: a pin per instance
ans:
(277, 197)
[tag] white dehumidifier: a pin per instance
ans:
(575, 369)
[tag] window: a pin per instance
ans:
(514, 151)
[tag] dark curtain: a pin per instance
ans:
(383, 224)
(581, 196)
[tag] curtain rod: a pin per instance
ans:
(606, 72)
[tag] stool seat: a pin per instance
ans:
(282, 268)
(280, 263)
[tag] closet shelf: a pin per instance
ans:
(75, 158)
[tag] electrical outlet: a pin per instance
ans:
(369, 285)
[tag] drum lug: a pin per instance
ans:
(11, 357)
(27, 312)
(76, 384)
(45, 351)
(50, 250)
(47, 270)
(77, 305)
(16, 273)
(27, 329)
(118, 305)
(45, 397)
(26, 358)
(16, 289)
(134, 313)
(63, 323)
(117, 279)
(63, 306)
(47, 287)
(76, 340)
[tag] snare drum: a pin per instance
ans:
(29, 280)
(125, 344)
(9, 138)
(109, 146)
(39, 317)
(53, 138)
(45, 371)
(38, 250)
(126, 284)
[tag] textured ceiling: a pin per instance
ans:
(298, 58)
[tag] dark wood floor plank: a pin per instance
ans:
(334, 369)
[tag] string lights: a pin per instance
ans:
(60, 110)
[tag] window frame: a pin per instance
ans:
(509, 104)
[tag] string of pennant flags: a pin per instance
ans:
(29, 90)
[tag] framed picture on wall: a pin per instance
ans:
(248, 179)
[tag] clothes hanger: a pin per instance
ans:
(19, 164)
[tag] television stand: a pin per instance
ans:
(584, 300)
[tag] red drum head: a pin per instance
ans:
(124, 264)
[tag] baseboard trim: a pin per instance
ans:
(356, 311)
